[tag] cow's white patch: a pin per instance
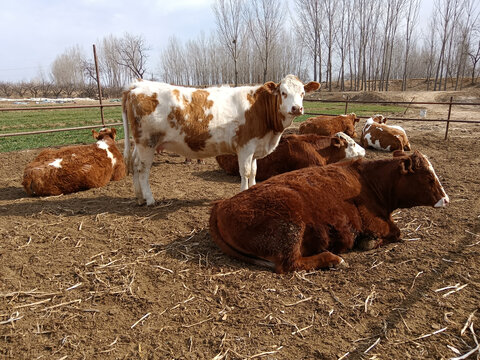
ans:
(375, 144)
(353, 150)
(56, 163)
(397, 127)
(104, 146)
(445, 199)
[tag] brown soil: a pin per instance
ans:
(93, 275)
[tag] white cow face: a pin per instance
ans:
(292, 91)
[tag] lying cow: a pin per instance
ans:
(298, 151)
(199, 123)
(328, 125)
(74, 168)
(300, 220)
(377, 135)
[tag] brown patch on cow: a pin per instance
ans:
(262, 117)
(136, 107)
(176, 93)
(193, 120)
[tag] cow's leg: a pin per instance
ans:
(141, 173)
(136, 183)
(385, 231)
(253, 173)
(323, 260)
(245, 168)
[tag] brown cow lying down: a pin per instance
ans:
(299, 151)
(74, 168)
(301, 219)
(377, 135)
(328, 125)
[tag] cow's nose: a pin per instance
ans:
(297, 109)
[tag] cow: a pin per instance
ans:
(199, 123)
(302, 219)
(298, 151)
(328, 125)
(378, 135)
(74, 168)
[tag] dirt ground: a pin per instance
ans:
(92, 275)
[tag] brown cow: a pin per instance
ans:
(377, 135)
(328, 125)
(301, 219)
(74, 168)
(299, 151)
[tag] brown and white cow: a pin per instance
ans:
(199, 123)
(329, 125)
(298, 151)
(378, 135)
(74, 168)
(300, 220)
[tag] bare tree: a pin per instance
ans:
(231, 28)
(474, 55)
(329, 34)
(265, 21)
(67, 70)
(308, 25)
(411, 20)
(133, 54)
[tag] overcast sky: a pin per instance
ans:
(35, 32)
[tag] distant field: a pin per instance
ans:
(34, 120)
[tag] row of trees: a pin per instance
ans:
(352, 44)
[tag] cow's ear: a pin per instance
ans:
(406, 166)
(355, 120)
(114, 133)
(95, 134)
(271, 87)
(384, 121)
(336, 142)
(311, 86)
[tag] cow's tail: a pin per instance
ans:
(127, 154)
(228, 248)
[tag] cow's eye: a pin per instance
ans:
(302, 94)
(284, 94)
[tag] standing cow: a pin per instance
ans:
(199, 123)
(300, 220)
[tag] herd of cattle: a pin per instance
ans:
(318, 198)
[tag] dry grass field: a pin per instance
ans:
(92, 275)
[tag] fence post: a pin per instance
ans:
(448, 118)
(99, 87)
(346, 105)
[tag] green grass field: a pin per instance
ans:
(35, 120)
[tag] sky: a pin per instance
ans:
(35, 32)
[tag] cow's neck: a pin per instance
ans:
(381, 177)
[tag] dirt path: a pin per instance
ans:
(92, 275)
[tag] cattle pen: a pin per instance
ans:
(447, 119)
(94, 275)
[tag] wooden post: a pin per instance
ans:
(346, 105)
(99, 86)
(448, 118)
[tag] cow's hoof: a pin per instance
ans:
(367, 244)
(342, 264)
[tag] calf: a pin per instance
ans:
(74, 168)
(377, 135)
(298, 151)
(301, 219)
(328, 125)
